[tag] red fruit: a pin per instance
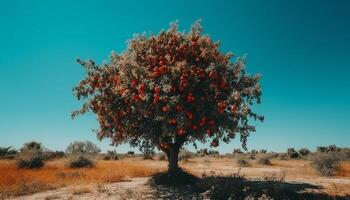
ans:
(161, 63)
(172, 121)
(163, 69)
(141, 89)
(133, 84)
(181, 132)
(213, 75)
(166, 108)
(209, 132)
(194, 127)
(190, 115)
(157, 90)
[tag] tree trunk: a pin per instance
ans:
(173, 158)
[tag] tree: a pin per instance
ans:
(83, 148)
(168, 90)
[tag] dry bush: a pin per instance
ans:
(80, 161)
(111, 155)
(264, 160)
(184, 155)
(326, 163)
(30, 159)
(243, 162)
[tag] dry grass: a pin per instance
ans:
(344, 169)
(15, 181)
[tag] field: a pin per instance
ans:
(128, 178)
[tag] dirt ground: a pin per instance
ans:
(289, 172)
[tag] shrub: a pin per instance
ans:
(292, 153)
(131, 152)
(31, 156)
(238, 151)
(264, 160)
(7, 152)
(304, 151)
(243, 162)
(83, 148)
(203, 152)
(263, 151)
(80, 161)
(254, 151)
(326, 163)
(111, 155)
(30, 159)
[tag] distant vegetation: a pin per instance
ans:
(326, 159)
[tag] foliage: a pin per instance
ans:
(330, 148)
(170, 89)
(263, 151)
(131, 152)
(50, 155)
(84, 148)
(238, 150)
(326, 163)
(30, 155)
(292, 153)
(111, 155)
(185, 154)
(7, 152)
(304, 151)
(80, 161)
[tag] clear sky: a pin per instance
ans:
(301, 48)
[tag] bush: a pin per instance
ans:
(131, 153)
(238, 151)
(263, 151)
(31, 156)
(111, 155)
(80, 162)
(243, 162)
(264, 160)
(292, 153)
(304, 151)
(7, 152)
(83, 148)
(326, 163)
(30, 159)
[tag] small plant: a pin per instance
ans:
(304, 151)
(238, 151)
(326, 163)
(292, 153)
(80, 161)
(264, 160)
(243, 162)
(131, 152)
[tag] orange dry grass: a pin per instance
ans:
(344, 169)
(14, 181)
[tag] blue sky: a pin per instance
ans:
(300, 47)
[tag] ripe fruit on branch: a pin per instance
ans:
(133, 84)
(141, 89)
(166, 108)
(181, 132)
(157, 90)
(190, 98)
(172, 121)
(234, 108)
